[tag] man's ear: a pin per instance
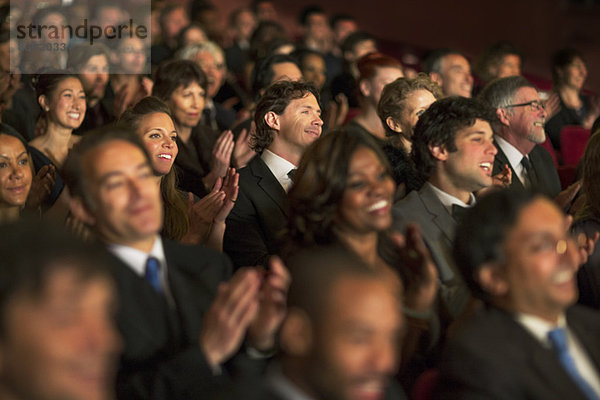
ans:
(492, 279)
(393, 125)
(81, 211)
(502, 114)
(272, 120)
(440, 152)
(365, 87)
(296, 336)
(43, 100)
(436, 77)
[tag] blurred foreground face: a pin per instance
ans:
(356, 341)
(61, 342)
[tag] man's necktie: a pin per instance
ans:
(531, 175)
(152, 273)
(558, 338)
(458, 212)
(292, 173)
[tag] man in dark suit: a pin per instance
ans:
(520, 134)
(287, 119)
(529, 342)
(452, 147)
(180, 318)
(341, 336)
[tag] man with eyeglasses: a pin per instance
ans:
(530, 341)
(520, 132)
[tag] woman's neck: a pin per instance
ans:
(9, 214)
(365, 245)
(55, 143)
(570, 96)
(183, 132)
(369, 120)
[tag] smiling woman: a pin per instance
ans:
(15, 176)
(62, 99)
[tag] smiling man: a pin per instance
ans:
(520, 133)
(516, 254)
(453, 148)
(288, 120)
(451, 71)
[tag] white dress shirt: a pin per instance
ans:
(539, 328)
(514, 157)
(448, 200)
(280, 167)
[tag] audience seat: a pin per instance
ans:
(573, 140)
(425, 384)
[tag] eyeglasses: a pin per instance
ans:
(534, 105)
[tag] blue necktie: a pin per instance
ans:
(152, 273)
(558, 338)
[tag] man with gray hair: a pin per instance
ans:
(521, 116)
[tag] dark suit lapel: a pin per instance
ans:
(269, 184)
(588, 339)
(499, 162)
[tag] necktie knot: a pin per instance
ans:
(152, 273)
(292, 173)
(458, 212)
(531, 175)
(558, 339)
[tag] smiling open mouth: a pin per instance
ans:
(377, 206)
(165, 156)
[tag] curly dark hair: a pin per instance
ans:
(175, 73)
(439, 124)
(276, 98)
(320, 183)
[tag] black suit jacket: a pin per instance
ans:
(161, 358)
(494, 357)
(260, 214)
(541, 161)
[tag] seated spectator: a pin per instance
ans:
(184, 220)
(569, 73)
(173, 18)
(316, 34)
(242, 23)
(264, 10)
(92, 67)
(14, 113)
(15, 176)
(515, 252)
(211, 59)
(203, 155)
(402, 103)
(190, 35)
(451, 70)
(58, 337)
(334, 299)
(355, 46)
(519, 136)
(171, 315)
(63, 102)
(454, 152)
(587, 221)
(375, 71)
(288, 120)
(498, 60)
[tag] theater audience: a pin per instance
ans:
(57, 300)
(522, 263)
(498, 60)
(316, 34)
(178, 329)
(184, 220)
(288, 120)
(242, 23)
(375, 71)
(569, 72)
(451, 70)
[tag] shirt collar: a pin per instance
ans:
(279, 167)
(539, 327)
(513, 155)
(136, 259)
(281, 385)
(448, 200)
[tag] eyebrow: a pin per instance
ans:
(312, 108)
(112, 174)
(19, 156)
